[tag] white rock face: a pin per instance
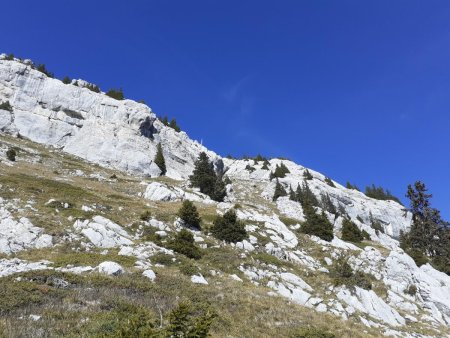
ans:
(15, 265)
(18, 235)
(110, 268)
(103, 233)
(199, 279)
(150, 274)
(93, 126)
(389, 213)
(368, 302)
(156, 191)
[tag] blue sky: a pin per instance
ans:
(358, 90)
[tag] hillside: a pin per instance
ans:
(86, 223)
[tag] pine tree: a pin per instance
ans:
(189, 214)
(299, 194)
(66, 80)
(228, 228)
(184, 244)
(330, 182)
(351, 232)
(315, 224)
(279, 191)
(292, 196)
(159, 159)
(205, 178)
(429, 234)
(307, 175)
(308, 196)
(327, 204)
(265, 165)
(280, 171)
(116, 94)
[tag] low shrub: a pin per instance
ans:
(184, 244)
(228, 228)
(11, 154)
(162, 258)
(146, 216)
(6, 106)
(411, 290)
(313, 332)
(342, 274)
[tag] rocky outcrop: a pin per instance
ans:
(117, 134)
(18, 235)
(103, 233)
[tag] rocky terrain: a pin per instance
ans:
(85, 217)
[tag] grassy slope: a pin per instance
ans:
(92, 304)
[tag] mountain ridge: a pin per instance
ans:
(123, 135)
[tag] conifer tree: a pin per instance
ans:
(292, 196)
(66, 80)
(307, 175)
(159, 159)
(429, 234)
(265, 165)
(351, 232)
(189, 214)
(330, 182)
(327, 204)
(228, 228)
(308, 196)
(315, 224)
(205, 178)
(279, 191)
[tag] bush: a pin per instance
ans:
(146, 216)
(189, 320)
(11, 154)
(366, 235)
(228, 228)
(115, 94)
(312, 332)
(184, 244)
(249, 168)
(136, 322)
(6, 106)
(162, 258)
(159, 159)
(189, 214)
(350, 232)
(411, 290)
(317, 225)
(265, 165)
(188, 269)
(342, 274)
(9, 57)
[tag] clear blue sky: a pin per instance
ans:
(358, 90)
